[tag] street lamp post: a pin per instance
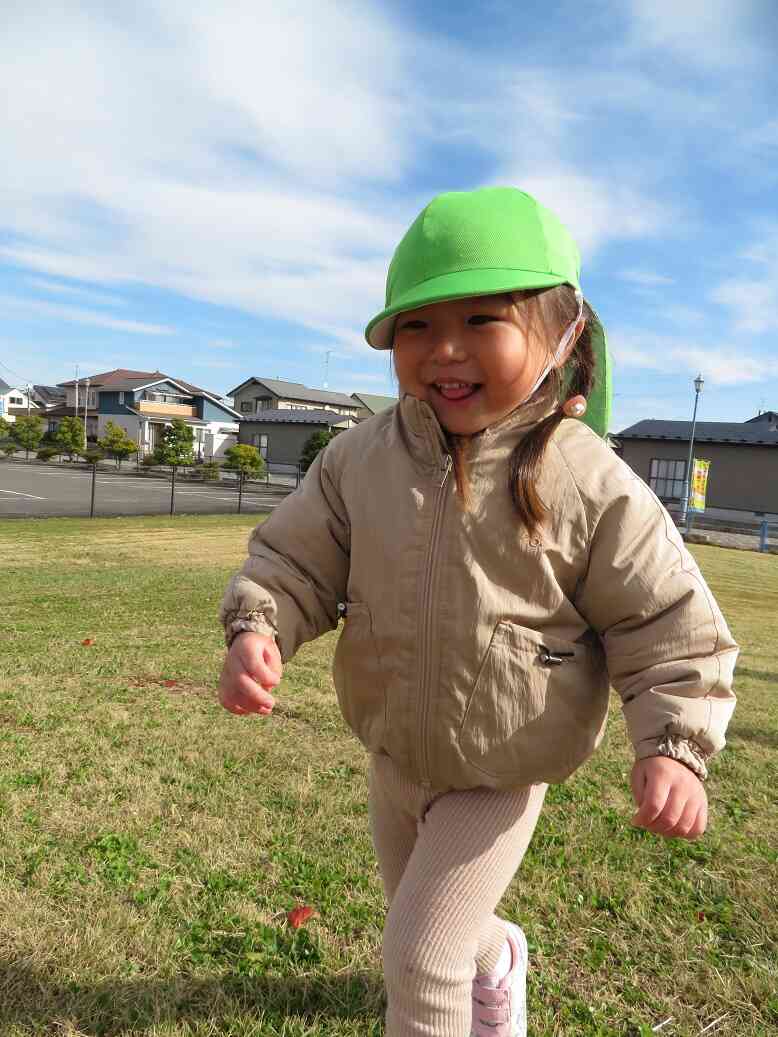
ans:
(698, 384)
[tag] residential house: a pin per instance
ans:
(48, 396)
(256, 395)
(281, 433)
(143, 403)
(369, 404)
(15, 402)
(743, 475)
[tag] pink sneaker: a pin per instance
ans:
(500, 1005)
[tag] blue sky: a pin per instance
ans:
(215, 190)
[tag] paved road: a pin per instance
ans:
(32, 490)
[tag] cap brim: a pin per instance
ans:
(456, 285)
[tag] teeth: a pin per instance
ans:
(454, 385)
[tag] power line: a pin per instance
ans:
(26, 381)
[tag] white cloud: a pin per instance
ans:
(645, 278)
(78, 315)
(753, 300)
(72, 291)
(720, 365)
(708, 34)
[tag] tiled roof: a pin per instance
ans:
(69, 412)
(705, 432)
(296, 417)
(109, 379)
(297, 391)
(374, 403)
(49, 393)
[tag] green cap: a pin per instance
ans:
(487, 242)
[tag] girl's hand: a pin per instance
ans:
(670, 798)
(251, 668)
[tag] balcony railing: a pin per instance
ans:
(173, 410)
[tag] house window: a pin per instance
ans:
(91, 401)
(667, 478)
(259, 440)
(246, 407)
(121, 397)
(16, 401)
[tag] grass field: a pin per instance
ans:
(152, 844)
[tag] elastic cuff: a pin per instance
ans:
(683, 750)
(254, 621)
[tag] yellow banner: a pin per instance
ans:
(700, 470)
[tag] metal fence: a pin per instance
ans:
(39, 489)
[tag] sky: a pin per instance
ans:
(215, 190)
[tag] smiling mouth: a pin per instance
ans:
(454, 391)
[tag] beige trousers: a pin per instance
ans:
(446, 860)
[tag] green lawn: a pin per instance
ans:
(152, 844)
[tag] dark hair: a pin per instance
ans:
(545, 313)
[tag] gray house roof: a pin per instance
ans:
(294, 417)
(747, 432)
(4, 386)
(297, 391)
(49, 394)
(374, 403)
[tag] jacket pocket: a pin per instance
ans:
(358, 677)
(517, 708)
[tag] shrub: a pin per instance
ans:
(313, 447)
(47, 453)
(210, 470)
(245, 459)
(92, 456)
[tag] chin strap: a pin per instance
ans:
(559, 352)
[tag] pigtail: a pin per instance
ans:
(576, 378)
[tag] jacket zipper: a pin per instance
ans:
(427, 625)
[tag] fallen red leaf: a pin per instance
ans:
(170, 683)
(87, 642)
(299, 916)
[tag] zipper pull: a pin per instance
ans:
(342, 610)
(549, 658)
(446, 468)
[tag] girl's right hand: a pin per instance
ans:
(251, 668)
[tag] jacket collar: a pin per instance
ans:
(427, 440)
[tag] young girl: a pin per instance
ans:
(496, 566)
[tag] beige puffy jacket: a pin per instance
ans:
(471, 653)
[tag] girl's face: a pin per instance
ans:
(469, 359)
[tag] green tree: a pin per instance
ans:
(70, 437)
(177, 446)
(245, 459)
(27, 432)
(313, 447)
(116, 443)
(5, 432)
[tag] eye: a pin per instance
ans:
(481, 318)
(412, 325)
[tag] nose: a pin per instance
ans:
(447, 348)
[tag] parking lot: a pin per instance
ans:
(30, 490)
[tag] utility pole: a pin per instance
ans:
(76, 390)
(29, 394)
(327, 368)
(86, 405)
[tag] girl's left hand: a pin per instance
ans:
(670, 798)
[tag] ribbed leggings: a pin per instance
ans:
(446, 860)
